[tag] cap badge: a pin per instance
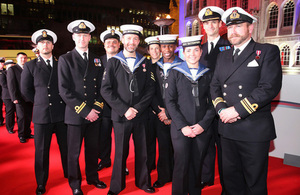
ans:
(44, 33)
(82, 25)
(112, 32)
(234, 14)
(208, 12)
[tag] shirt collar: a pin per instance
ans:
(243, 46)
(45, 60)
(81, 53)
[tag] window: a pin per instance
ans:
(285, 55)
(297, 55)
(245, 4)
(189, 29)
(3, 9)
(204, 3)
(196, 28)
(196, 6)
(288, 13)
(273, 11)
(223, 4)
(233, 3)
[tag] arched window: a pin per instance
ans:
(223, 4)
(273, 11)
(197, 6)
(189, 7)
(297, 55)
(233, 3)
(189, 29)
(245, 4)
(288, 13)
(285, 55)
(195, 27)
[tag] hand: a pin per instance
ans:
(167, 122)
(229, 115)
(188, 132)
(15, 101)
(93, 115)
(130, 113)
(162, 115)
(197, 129)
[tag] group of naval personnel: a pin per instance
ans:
(218, 97)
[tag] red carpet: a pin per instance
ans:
(17, 173)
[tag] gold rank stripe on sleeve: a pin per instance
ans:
(101, 105)
(152, 76)
(217, 100)
(248, 106)
(78, 109)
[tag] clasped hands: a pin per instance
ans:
(229, 115)
(93, 115)
(192, 131)
(130, 113)
(163, 117)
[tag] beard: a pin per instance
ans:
(236, 39)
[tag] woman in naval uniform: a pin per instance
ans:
(189, 104)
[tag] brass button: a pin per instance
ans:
(84, 86)
(50, 104)
(49, 95)
(224, 94)
(240, 95)
(225, 85)
(85, 94)
(240, 87)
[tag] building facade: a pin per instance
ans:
(278, 23)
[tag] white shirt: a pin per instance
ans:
(81, 53)
(215, 41)
(130, 63)
(167, 66)
(194, 72)
(242, 47)
(45, 60)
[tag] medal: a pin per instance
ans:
(144, 67)
(258, 52)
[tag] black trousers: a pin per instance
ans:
(208, 170)
(76, 133)
(24, 115)
(245, 167)
(188, 161)
(151, 141)
(10, 109)
(42, 140)
(1, 108)
(105, 140)
(123, 131)
(165, 161)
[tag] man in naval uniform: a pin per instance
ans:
(111, 40)
(39, 84)
(211, 19)
(23, 106)
(128, 87)
(246, 79)
(79, 78)
(155, 53)
(168, 45)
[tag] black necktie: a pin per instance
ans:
(85, 57)
(211, 47)
(236, 54)
(49, 65)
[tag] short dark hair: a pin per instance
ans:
(21, 53)
(195, 45)
(153, 44)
